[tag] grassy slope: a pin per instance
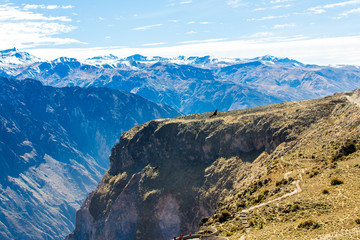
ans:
(311, 159)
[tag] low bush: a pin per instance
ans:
(336, 181)
(309, 224)
(282, 182)
(348, 148)
(224, 216)
(295, 207)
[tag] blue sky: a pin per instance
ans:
(323, 32)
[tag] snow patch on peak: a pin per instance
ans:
(64, 59)
(14, 56)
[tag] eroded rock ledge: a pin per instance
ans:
(167, 174)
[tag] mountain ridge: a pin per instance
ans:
(166, 176)
(54, 145)
(197, 84)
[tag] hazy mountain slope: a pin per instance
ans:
(195, 84)
(166, 175)
(54, 148)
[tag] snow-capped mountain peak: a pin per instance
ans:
(64, 60)
(14, 56)
(269, 58)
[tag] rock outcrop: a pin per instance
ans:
(166, 175)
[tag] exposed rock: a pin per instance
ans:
(200, 159)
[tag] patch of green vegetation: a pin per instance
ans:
(325, 191)
(348, 148)
(336, 181)
(225, 215)
(282, 182)
(309, 224)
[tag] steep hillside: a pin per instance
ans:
(54, 148)
(194, 84)
(167, 176)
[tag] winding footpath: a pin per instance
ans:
(212, 236)
(243, 213)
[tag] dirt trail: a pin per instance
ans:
(243, 213)
(353, 100)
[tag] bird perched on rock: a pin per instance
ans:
(214, 114)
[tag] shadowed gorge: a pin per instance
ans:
(54, 146)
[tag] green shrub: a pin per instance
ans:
(252, 222)
(224, 216)
(295, 207)
(309, 224)
(325, 191)
(336, 181)
(348, 148)
(282, 182)
(313, 173)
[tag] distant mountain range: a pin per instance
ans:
(190, 84)
(54, 148)
(56, 134)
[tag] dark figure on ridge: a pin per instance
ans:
(214, 114)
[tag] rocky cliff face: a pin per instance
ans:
(54, 148)
(166, 175)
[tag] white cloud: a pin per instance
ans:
(173, 21)
(101, 18)
(235, 3)
(340, 50)
(261, 34)
(41, 6)
(22, 28)
(267, 18)
(280, 1)
(281, 6)
(191, 32)
(154, 44)
(322, 9)
(31, 34)
(203, 41)
(345, 14)
(108, 37)
(191, 22)
(259, 9)
(204, 23)
(147, 27)
(186, 2)
(284, 25)
(9, 12)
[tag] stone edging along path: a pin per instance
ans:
(211, 236)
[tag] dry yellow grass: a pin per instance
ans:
(310, 158)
